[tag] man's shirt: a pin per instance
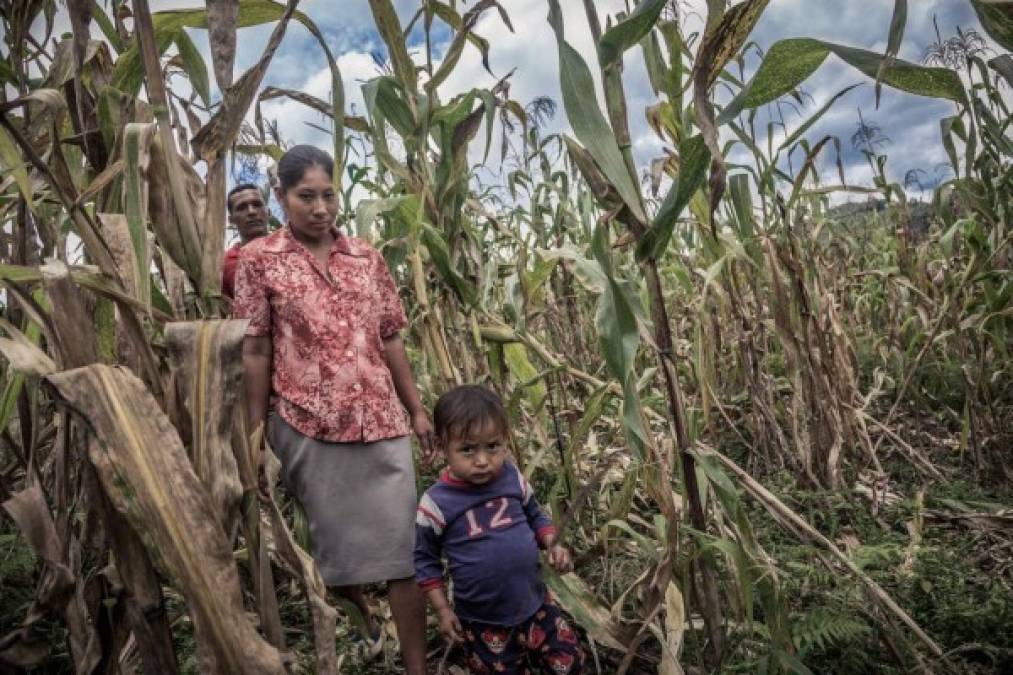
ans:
(229, 271)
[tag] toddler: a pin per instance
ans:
(482, 516)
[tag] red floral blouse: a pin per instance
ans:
(327, 329)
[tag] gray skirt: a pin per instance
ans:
(359, 499)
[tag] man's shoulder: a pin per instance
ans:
(275, 242)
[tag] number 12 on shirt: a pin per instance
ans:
(498, 520)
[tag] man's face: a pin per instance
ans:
(248, 214)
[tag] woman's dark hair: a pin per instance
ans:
(294, 163)
(465, 409)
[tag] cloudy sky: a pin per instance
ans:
(910, 122)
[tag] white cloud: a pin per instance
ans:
(349, 28)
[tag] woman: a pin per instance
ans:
(324, 339)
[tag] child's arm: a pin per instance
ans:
(545, 531)
(450, 625)
(429, 568)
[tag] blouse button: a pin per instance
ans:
(349, 353)
(342, 323)
(356, 387)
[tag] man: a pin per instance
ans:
(248, 213)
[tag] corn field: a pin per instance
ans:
(776, 436)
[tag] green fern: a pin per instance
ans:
(824, 627)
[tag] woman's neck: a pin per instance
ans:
(321, 243)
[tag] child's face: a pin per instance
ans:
(477, 457)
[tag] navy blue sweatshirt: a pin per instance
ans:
(490, 535)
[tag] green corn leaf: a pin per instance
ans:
(440, 255)
(367, 210)
(516, 356)
(619, 337)
(657, 71)
(586, 118)
(629, 31)
(693, 161)
(996, 18)
(1004, 66)
(129, 73)
(389, 28)
(136, 154)
(790, 62)
(897, 24)
(742, 204)
(12, 164)
(391, 103)
(193, 65)
(105, 24)
(815, 117)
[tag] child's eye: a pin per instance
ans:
(494, 447)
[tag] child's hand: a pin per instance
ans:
(559, 558)
(450, 625)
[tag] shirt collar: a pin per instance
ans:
(446, 478)
(282, 241)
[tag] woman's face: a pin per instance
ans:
(311, 205)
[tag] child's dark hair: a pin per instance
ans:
(466, 409)
(293, 164)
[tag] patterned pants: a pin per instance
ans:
(546, 641)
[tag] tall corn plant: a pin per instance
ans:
(149, 476)
(808, 327)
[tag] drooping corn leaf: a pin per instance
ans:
(619, 338)
(389, 28)
(207, 356)
(694, 158)
(137, 139)
(896, 36)
(440, 255)
(193, 65)
(12, 165)
(996, 18)
(577, 598)
(57, 587)
(463, 34)
(790, 62)
(629, 31)
(516, 356)
(585, 116)
(675, 629)
(223, 20)
(23, 354)
(144, 470)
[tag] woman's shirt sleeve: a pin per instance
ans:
(390, 311)
(251, 301)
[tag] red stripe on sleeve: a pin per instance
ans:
(430, 584)
(544, 533)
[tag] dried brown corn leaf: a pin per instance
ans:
(145, 471)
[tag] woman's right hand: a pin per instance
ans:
(423, 428)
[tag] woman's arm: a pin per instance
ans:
(404, 383)
(257, 378)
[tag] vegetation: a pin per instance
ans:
(776, 433)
